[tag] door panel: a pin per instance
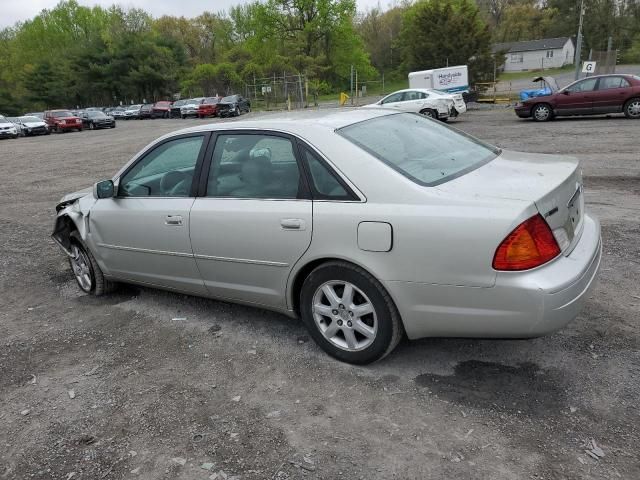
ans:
(143, 233)
(255, 219)
(146, 240)
(246, 248)
(611, 95)
(579, 100)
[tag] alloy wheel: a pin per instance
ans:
(81, 269)
(634, 108)
(542, 113)
(344, 315)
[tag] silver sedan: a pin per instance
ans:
(368, 225)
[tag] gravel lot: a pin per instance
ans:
(247, 391)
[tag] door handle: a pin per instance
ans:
(173, 220)
(292, 224)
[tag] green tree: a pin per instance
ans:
(437, 33)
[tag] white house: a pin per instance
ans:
(536, 54)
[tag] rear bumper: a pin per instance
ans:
(519, 305)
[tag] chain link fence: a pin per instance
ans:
(288, 91)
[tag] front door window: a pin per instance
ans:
(167, 171)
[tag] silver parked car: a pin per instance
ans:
(366, 224)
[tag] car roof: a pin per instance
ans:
(425, 90)
(297, 123)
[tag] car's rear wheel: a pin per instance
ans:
(86, 270)
(542, 112)
(427, 112)
(632, 108)
(349, 313)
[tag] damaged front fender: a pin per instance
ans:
(73, 215)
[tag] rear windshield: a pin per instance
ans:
(423, 150)
(211, 100)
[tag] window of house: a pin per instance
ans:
(549, 53)
(517, 58)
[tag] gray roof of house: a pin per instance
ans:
(529, 45)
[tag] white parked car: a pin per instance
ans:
(132, 111)
(7, 129)
(459, 104)
(31, 125)
(190, 108)
(419, 100)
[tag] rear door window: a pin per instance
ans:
(607, 83)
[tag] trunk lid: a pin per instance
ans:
(553, 183)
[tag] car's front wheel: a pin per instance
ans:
(86, 270)
(632, 108)
(542, 112)
(349, 313)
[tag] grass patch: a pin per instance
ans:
(507, 76)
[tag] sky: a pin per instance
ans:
(12, 11)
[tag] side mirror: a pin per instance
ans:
(103, 189)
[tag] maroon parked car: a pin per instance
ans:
(588, 96)
(161, 110)
(62, 121)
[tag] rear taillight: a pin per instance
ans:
(530, 245)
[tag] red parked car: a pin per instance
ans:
(589, 96)
(161, 110)
(62, 120)
(209, 107)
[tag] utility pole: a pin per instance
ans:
(579, 41)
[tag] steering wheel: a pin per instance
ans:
(176, 183)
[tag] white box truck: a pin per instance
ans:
(449, 79)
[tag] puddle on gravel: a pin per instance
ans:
(525, 388)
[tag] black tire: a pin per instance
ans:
(632, 108)
(542, 112)
(99, 285)
(91, 126)
(389, 329)
(113, 126)
(183, 116)
(237, 112)
(428, 112)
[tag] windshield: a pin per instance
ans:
(211, 100)
(134, 107)
(423, 150)
(179, 103)
(30, 119)
(229, 99)
(93, 114)
(3, 119)
(62, 113)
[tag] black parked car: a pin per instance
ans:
(93, 119)
(146, 111)
(233, 106)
